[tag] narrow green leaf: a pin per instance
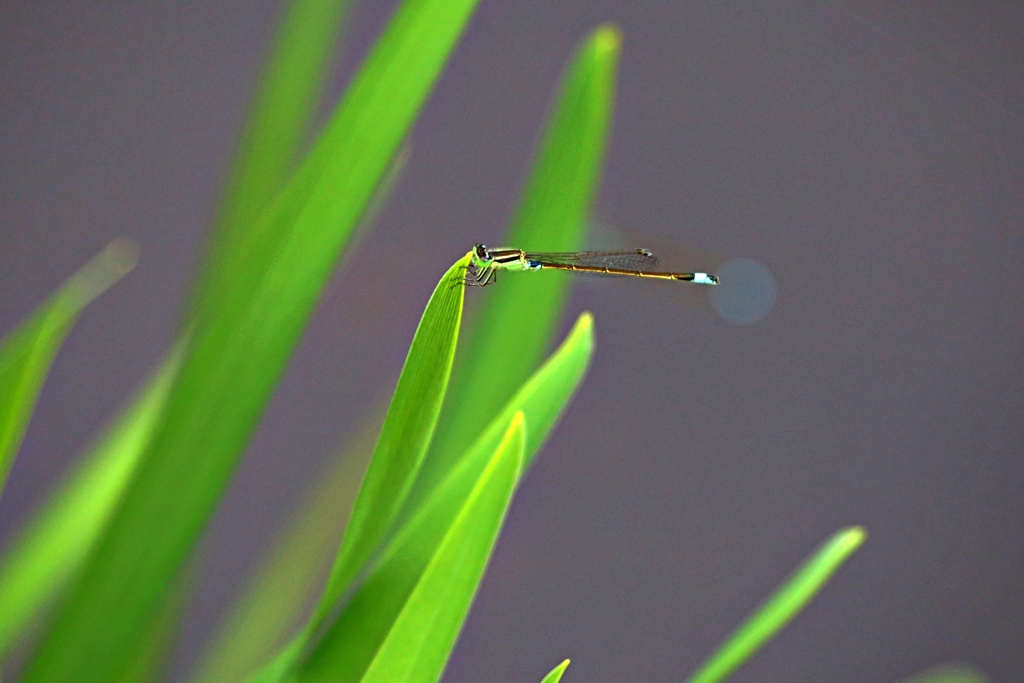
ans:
(247, 319)
(556, 674)
(420, 607)
(544, 397)
(149, 661)
(27, 353)
(553, 215)
(53, 544)
(314, 216)
(406, 433)
(399, 453)
(292, 572)
(421, 639)
(283, 110)
(948, 673)
(350, 644)
(786, 602)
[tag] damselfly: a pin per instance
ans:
(485, 264)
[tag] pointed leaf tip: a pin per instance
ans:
(607, 38)
(103, 270)
(850, 538)
(555, 675)
(782, 606)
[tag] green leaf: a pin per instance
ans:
(406, 433)
(556, 674)
(149, 661)
(247, 318)
(282, 112)
(290, 574)
(53, 544)
(553, 215)
(292, 571)
(351, 642)
(284, 107)
(786, 602)
(27, 353)
(398, 456)
(424, 604)
(948, 673)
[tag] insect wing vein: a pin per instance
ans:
(634, 259)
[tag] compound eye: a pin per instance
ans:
(481, 253)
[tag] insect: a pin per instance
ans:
(485, 263)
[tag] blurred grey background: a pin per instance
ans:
(869, 154)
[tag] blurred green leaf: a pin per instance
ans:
(51, 547)
(149, 661)
(784, 604)
(283, 110)
(948, 673)
(248, 314)
(292, 571)
(553, 215)
(27, 353)
(417, 608)
(555, 674)
(350, 644)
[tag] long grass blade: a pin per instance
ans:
(397, 458)
(782, 606)
(282, 113)
(348, 646)
(294, 568)
(419, 595)
(555, 675)
(51, 547)
(553, 215)
(247, 318)
(406, 434)
(27, 353)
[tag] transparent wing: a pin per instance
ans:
(631, 259)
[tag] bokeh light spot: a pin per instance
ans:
(746, 293)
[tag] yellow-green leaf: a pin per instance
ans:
(282, 112)
(247, 316)
(348, 646)
(292, 571)
(406, 433)
(419, 607)
(552, 215)
(53, 544)
(555, 675)
(27, 352)
(782, 606)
